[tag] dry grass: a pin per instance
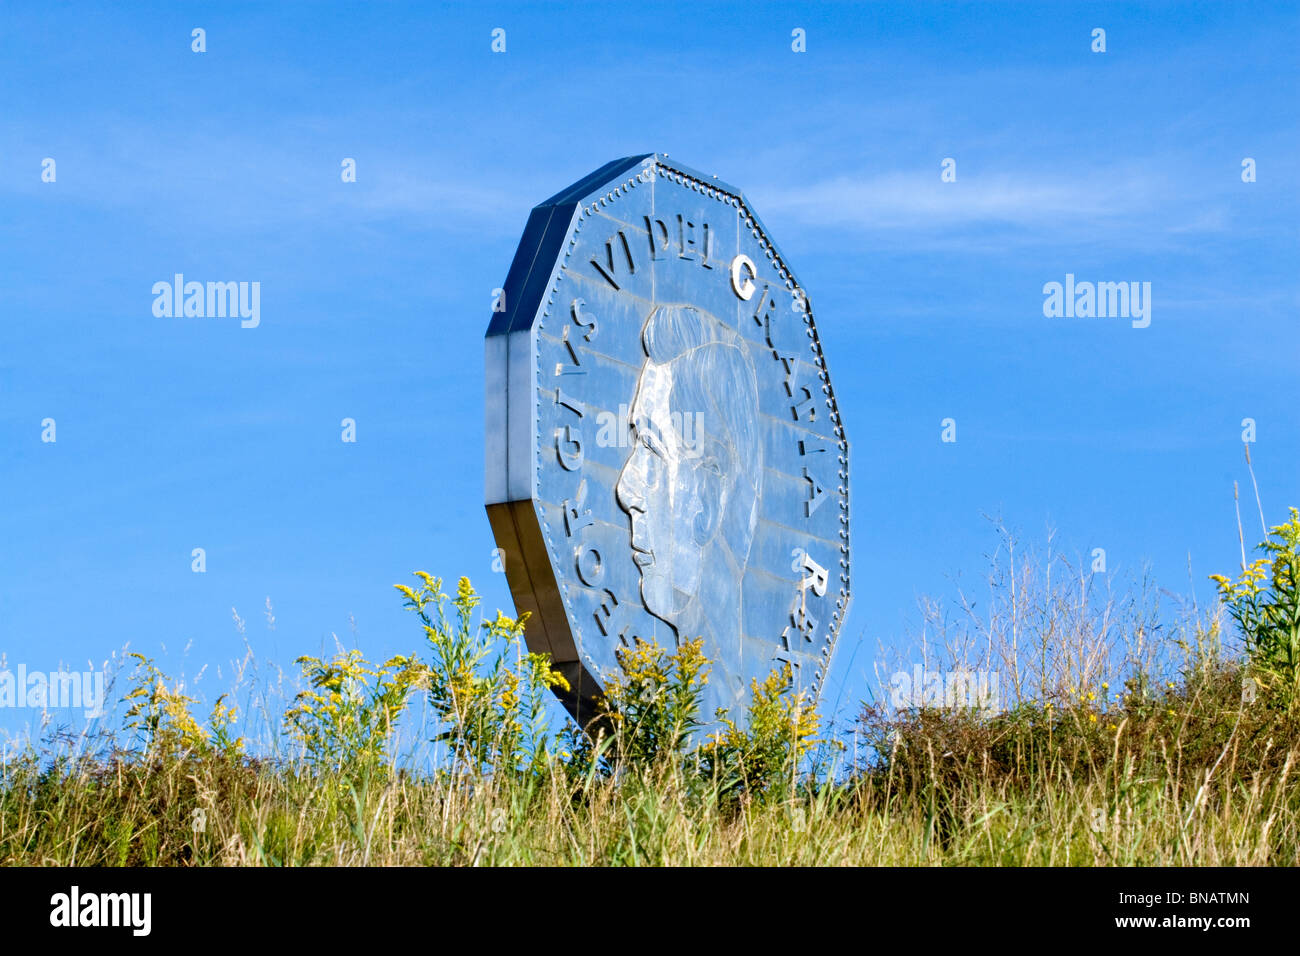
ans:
(1126, 739)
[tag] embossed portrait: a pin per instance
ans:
(692, 482)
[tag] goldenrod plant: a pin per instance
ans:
(487, 693)
(221, 724)
(765, 753)
(1265, 603)
(651, 707)
(159, 714)
(1158, 754)
(347, 715)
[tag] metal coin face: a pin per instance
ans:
(664, 456)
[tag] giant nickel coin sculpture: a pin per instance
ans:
(664, 455)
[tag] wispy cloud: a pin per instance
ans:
(911, 201)
(232, 180)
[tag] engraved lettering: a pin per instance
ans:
(806, 409)
(575, 368)
(570, 459)
(816, 495)
(573, 353)
(583, 319)
(609, 270)
(817, 579)
(605, 611)
(791, 364)
(658, 244)
(575, 517)
(569, 402)
(591, 566)
(685, 238)
(804, 622)
(766, 308)
(611, 617)
(743, 286)
(785, 655)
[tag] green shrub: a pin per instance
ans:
(160, 717)
(1265, 603)
(344, 721)
(651, 709)
(763, 757)
(488, 695)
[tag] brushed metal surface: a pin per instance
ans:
(664, 454)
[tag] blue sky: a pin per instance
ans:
(174, 434)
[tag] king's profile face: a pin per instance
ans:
(665, 489)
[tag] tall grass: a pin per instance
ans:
(1132, 734)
